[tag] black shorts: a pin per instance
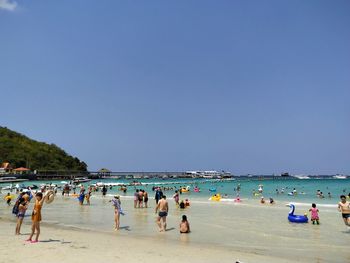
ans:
(162, 214)
(346, 215)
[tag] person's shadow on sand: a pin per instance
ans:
(54, 240)
(126, 228)
(170, 229)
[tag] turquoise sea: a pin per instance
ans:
(306, 188)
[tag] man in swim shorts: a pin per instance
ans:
(163, 209)
(344, 208)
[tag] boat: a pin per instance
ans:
(79, 180)
(301, 176)
(340, 176)
(11, 180)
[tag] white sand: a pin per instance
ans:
(68, 245)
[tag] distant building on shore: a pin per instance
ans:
(5, 168)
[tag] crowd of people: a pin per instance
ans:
(140, 201)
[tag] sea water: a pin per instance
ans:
(247, 226)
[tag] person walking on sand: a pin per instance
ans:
(36, 215)
(344, 208)
(163, 209)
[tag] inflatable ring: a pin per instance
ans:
(296, 218)
(49, 199)
(216, 197)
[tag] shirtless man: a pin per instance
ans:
(163, 208)
(344, 208)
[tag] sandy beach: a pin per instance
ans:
(248, 232)
(72, 245)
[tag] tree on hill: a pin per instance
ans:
(20, 150)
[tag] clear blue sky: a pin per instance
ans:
(245, 86)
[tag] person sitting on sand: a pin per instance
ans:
(182, 204)
(262, 200)
(314, 214)
(22, 208)
(184, 225)
(163, 209)
(272, 201)
(36, 215)
(187, 202)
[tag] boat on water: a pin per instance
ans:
(340, 176)
(79, 180)
(300, 176)
(11, 180)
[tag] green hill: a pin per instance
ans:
(20, 150)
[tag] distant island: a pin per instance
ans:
(21, 151)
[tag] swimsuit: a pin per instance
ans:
(37, 216)
(21, 214)
(163, 213)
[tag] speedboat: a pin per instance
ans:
(339, 176)
(79, 180)
(301, 176)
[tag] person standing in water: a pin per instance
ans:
(117, 211)
(163, 209)
(145, 198)
(344, 208)
(36, 215)
(314, 214)
(22, 208)
(104, 191)
(176, 198)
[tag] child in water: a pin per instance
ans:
(314, 214)
(184, 225)
(8, 199)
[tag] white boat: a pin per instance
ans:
(11, 180)
(340, 177)
(301, 176)
(79, 180)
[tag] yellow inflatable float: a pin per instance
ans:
(216, 197)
